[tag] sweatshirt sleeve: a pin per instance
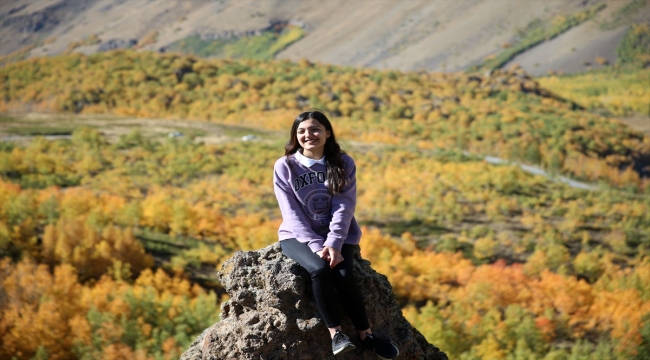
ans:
(293, 216)
(343, 206)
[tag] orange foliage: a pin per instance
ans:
(92, 252)
(561, 306)
(68, 319)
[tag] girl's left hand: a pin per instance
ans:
(332, 255)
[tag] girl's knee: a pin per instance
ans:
(321, 271)
(343, 274)
(346, 278)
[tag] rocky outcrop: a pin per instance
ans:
(114, 44)
(272, 315)
(46, 18)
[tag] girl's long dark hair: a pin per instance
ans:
(336, 174)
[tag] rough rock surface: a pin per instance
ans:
(272, 314)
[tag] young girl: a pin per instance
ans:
(315, 184)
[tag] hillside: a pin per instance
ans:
(503, 114)
(132, 184)
(405, 35)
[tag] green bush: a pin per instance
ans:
(635, 46)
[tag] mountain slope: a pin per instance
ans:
(405, 35)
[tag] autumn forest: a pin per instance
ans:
(109, 245)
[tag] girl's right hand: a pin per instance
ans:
(331, 255)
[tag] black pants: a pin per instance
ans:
(324, 280)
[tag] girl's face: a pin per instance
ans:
(312, 136)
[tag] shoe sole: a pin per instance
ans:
(345, 349)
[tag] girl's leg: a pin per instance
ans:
(352, 301)
(321, 279)
(349, 294)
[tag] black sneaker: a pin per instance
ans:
(341, 343)
(384, 349)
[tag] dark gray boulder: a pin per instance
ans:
(272, 314)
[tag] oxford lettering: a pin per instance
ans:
(308, 179)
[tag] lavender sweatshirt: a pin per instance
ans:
(309, 213)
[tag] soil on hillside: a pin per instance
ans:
(637, 121)
(405, 35)
(590, 45)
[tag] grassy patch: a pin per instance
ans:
(181, 251)
(17, 55)
(619, 89)
(40, 130)
(163, 243)
(183, 132)
(261, 47)
(7, 119)
(417, 227)
(534, 33)
(635, 46)
(192, 133)
(624, 15)
(239, 131)
(7, 146)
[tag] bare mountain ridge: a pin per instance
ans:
(405, 35)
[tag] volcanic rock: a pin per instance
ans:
(271, 314)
